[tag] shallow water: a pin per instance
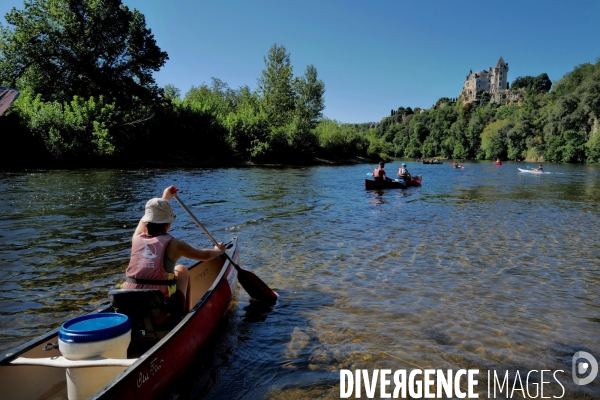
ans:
(482, 267)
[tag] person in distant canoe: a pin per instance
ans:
(379, 173)
(403, 172)
(498, 161)
(539, 168)
(154, 254)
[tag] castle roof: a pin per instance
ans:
(481, 73)
(500, 63)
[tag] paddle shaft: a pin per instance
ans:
(255, 287)
(193, 217)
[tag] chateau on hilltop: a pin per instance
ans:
(492, 81)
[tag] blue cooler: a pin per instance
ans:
(104, 335)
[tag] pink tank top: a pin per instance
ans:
(147, 262)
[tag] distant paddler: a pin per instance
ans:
(379, 173)
(403, 173)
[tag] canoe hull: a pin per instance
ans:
(212, 285)
(153, 375)
(531, 171)
(394, 184)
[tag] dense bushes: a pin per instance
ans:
(78, 109)
(560, 125)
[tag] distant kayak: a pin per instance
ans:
(532, 171)
(497, 163)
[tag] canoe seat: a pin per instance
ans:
(147, 310)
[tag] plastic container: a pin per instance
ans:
(95, 335)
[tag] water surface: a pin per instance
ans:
(482, 267)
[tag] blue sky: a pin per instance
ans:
(373, 55)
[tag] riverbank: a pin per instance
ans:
(177, 162)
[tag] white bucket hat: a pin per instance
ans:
(158, 211)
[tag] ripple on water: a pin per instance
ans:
(481, 268)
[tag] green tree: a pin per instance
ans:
(309, 99)
(522, 82)
(248, 126)
(276, 86)
(542, 83)
(493, 139)
(73, 131)
(172, 93)
(567, 147)
(66, 48)
(539, 84)
(590, 101)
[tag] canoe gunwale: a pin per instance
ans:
(173, 333)
(175, 355)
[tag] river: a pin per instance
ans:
(480, 268)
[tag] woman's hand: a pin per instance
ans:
(220, 247)
(167, 195)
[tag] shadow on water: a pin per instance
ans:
(262, 351)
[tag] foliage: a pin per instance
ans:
(538, 84)
(338, 140)
(65, 48)
(567, 147)
(309, 97)
(77, 130)
(559, 125)
(493, 139)
(88, 96)
(275, 86)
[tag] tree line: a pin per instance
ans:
(88, 98)
(527, 122)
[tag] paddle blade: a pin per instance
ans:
(255, 287)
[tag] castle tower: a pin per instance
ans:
(491, 80)
(499, 76)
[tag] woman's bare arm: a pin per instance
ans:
(141, 228)
(178, 249)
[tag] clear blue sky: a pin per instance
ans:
(372, 55)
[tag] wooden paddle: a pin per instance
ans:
(251, 283)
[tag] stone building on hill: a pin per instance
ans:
(493, 81)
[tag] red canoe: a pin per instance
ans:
(393, 184)
(497, 163)
(154, 359)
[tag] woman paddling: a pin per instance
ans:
(154, 254)
(403, 173)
